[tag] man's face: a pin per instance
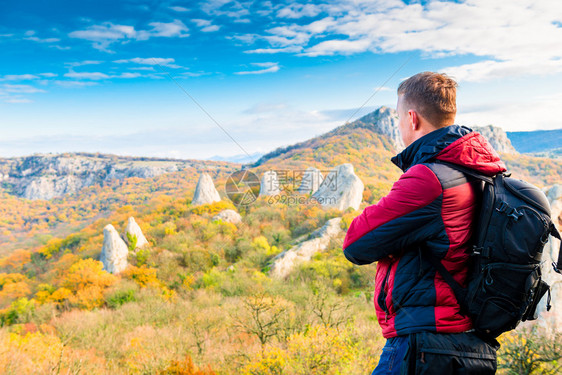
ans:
(404, 124)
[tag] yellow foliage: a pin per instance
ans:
(87, 272)
(261, 243)
(42, 296)
(328, 351)
(188, 282)
(212, 208)
(143, 276)
(52, 246)
(60, 295)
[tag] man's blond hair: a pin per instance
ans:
(433, 95)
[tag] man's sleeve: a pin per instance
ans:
(410, 213)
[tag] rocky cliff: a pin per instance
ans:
(45, 176)
(497, 138)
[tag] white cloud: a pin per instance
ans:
(344, 47)
(520, 37)
(108, 33)
(200, 22)
(150, 61)
(45, 40)
(296, 10)
(481, 71)
(82, 63)
(231, 9)
(96, 76)
(26, 77)
(105, 34)
(290, 49)
(161, 29)
(10, 93)
(205, 25)
(128, 75)
(539, 113)
(18, 100)
(210, 29)
(76, 83)
(21, 89)
(87, 75)
(19, 77)
(269, 67)
(179, 9)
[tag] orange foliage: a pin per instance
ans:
(186, 367)
(85, 273)
(82, 284)
(16, 260)
(13, 286)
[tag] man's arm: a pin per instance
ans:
(400, 219)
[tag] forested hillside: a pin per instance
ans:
(200, 298)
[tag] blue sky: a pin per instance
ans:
(115, 76)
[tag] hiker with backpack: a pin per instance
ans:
(446, 286)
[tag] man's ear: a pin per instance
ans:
(414, 119)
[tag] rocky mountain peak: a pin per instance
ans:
(497, 138)
(383, 121)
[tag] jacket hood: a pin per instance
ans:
(455, 144)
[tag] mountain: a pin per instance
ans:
(239, 158)
(538, 141)
(46, 176)
(497, 138)
(369, 143)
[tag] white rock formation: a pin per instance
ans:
(497, 137)
(311, 180)
(114, 251)
(205, 191)
(269, 184)
(284, 263)
(552, 320)
(341, 189)
(134, 230)
(229, 216)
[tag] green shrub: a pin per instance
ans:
(20, 311)
(121, 293)
(132, 240)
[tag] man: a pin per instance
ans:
(429, 212)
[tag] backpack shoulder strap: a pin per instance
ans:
(465, 170)
(458, 290)
(557, 266)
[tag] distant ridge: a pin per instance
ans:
(536, 141)
(383, 121)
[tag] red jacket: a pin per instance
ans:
(431, 205)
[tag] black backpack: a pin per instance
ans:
(504, 281)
